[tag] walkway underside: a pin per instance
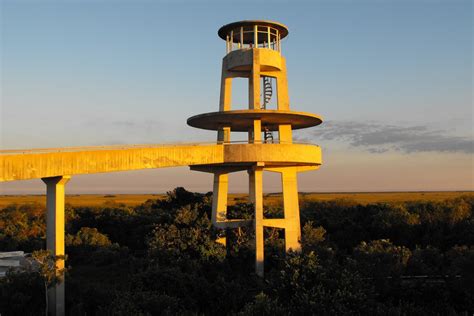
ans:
(45, 163)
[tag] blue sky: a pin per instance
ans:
(392, 79)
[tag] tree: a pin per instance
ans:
(47, 270)
(87, 236)
(305, 286)
(381, 258)
(312, 236)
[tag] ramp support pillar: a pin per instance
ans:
(55, 238)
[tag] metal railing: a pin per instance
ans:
(237, 39)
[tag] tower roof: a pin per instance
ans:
(224, 30)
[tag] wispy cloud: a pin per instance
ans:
(378, 137)
(126, 131)
(130, 123)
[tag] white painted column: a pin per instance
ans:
(55, 238)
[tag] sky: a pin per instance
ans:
(393, 81)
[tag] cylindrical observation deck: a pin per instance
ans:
(253, 51)
(253, 34)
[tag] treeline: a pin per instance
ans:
(161, 257)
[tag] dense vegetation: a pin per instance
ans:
(161, 257)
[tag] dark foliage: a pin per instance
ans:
(163, 258)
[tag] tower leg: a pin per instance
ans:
(219, 198)
(55, 238)
(256, 179)
(251, 186)
(291, 209)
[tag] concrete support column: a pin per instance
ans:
(285, 134)
(254, 82)
(257, 132)
(291, 209)
(256, 184)
(226, 90)
(223, 135)
(282, 88)
(250, 136)
(219, 198)
(55, 237)
(251, 186)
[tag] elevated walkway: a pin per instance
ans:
(53, 162)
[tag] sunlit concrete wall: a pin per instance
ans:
(37, 164)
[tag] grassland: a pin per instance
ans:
(270, 199)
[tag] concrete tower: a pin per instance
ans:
(253, 51)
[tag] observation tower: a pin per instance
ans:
(253, 51)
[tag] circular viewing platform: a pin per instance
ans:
(248, 25)
(243, 120)
(253, 34)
